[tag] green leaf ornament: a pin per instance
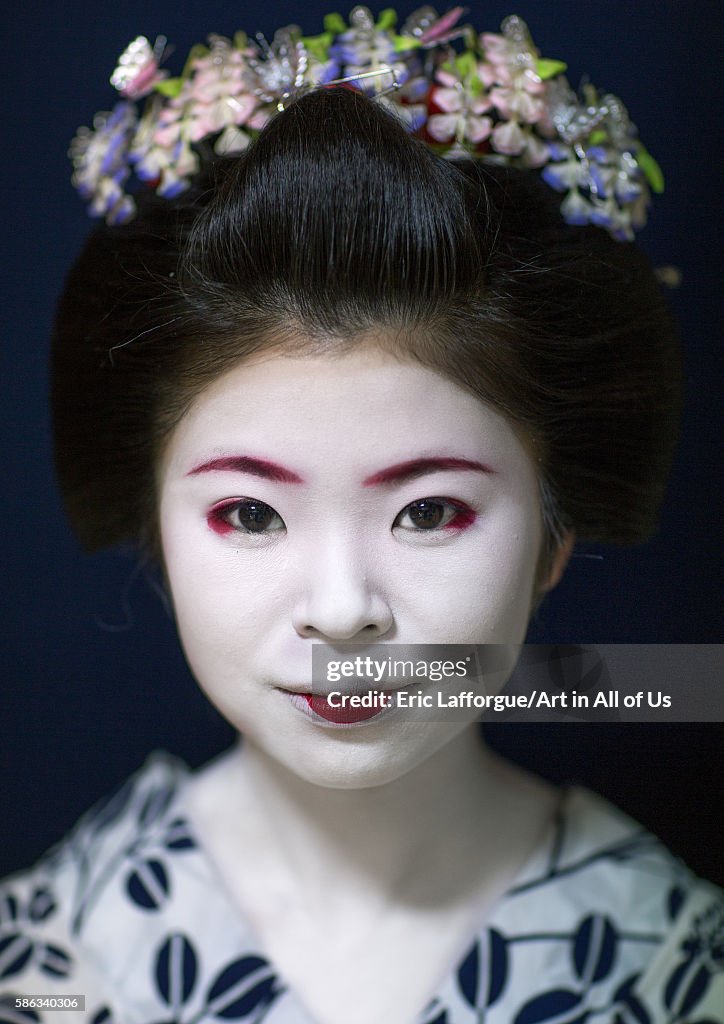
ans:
(466, 64)
(335, 24)
(403, 43)
(169, 87)
(319, 45)
(387, 19)
(653, 173)
(549, 68)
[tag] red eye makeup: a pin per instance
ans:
(430, 515)
(242, 515)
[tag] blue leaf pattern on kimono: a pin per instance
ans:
(675, 901)
(148, 885)
(469, 975)
(434, 1014)
(55, 961)
(178, 836)
(485, 965)
(42, 904)
(8, 908)
(498, 965)
(632, 1011)
(103, 1016)
(594, 948)
(558, 1005)
(686, 987)
(16, 950)
(242, 987)
(176, 970)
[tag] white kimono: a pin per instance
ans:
(601, 926)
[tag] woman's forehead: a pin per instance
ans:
(366, 400)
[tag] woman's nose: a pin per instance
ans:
(339, 599)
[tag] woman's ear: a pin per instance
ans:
(558, 563)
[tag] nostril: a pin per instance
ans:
(372, 628)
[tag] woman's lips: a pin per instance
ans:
(346, 714)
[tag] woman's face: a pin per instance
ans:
(341, 498)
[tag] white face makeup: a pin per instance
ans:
(291, 512)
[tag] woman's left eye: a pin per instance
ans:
(429, 514)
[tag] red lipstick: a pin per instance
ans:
(346, 714)
(341, 709)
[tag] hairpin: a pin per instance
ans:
(481, 96)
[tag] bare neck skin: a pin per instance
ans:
(462, 822)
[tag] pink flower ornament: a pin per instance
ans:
(463, 117)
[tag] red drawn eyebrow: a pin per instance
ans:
(398, 473)
(417, 467)
(248, 464)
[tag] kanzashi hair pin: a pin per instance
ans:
(466, 94)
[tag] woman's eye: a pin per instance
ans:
(245, 515)
(434, 514)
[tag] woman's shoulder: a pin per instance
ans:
(49, 941)
(635, 930)
(652, 893)
(126, 818)
(592, 840)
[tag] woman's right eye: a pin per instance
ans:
(245, 515)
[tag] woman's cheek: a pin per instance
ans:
(488, 585)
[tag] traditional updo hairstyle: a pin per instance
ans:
(337, 227)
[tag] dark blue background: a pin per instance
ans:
(93, 677)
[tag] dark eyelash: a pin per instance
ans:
(218, 516)
(218, 520)
(464, 515)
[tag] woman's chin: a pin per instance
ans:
(360, 756)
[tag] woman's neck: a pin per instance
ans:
(460, 816)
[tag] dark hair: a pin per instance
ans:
(337, 224)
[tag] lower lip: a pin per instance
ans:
(318, 708)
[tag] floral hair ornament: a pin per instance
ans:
(482, 96)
